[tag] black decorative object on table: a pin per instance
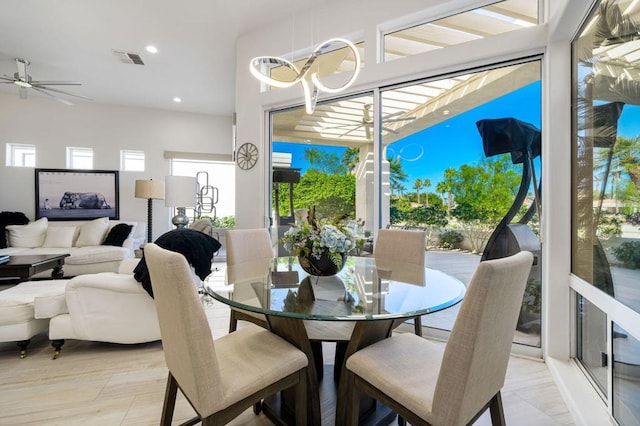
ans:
(321, 267)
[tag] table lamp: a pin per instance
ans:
(151, 190)
(180, 193)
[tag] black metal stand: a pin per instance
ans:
(149, 214)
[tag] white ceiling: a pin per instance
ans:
(73, 40)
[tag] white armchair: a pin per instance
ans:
(105, 307)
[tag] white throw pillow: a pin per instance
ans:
(59, 236)
(92, 233)
(28, 236)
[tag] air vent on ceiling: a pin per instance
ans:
(128, 57)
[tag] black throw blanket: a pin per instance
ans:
(196, 247)
(10, 218)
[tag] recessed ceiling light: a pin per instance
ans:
(151, 49)
(177, 100)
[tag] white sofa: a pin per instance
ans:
(81, 239)
(105, 307)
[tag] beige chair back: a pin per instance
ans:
(186, 337)
(248, 244)
(475, 360)
(400, 245)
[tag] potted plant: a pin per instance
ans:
(321, 245)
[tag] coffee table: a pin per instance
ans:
(24, 267)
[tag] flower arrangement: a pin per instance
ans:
(318, 237)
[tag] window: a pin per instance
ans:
(79, 158)
(496, 18)
(216, 181)
(427, 169)
(605, 255)
(131, 161)
(21, 155)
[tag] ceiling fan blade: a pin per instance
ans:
(395, 120)
(56, 83)
(367, 132)
(22, 92)
(386, 129)
(42, 88)
(350, 131)
(64, 101)
(7, 78)
(393, 114)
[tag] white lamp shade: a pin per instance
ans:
(180, 191)
(150, 189)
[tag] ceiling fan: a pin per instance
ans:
(367, 122)
(23, 80)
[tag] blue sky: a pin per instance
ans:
(450, 143)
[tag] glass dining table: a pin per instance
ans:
(371, 297)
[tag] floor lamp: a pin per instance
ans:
(151, 190)
(180, 193)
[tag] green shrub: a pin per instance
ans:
(222, 222)
(451, 239)
(629, 254)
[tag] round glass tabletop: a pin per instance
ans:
(365, 289)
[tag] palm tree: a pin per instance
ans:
(313, 156)
(396, 174)
(417, 185)
(449, 175)
(426, 183)
(441, 188)
(351, 158)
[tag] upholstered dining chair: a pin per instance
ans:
(244, 245)
(426, 384)
(220, 378)
(405, 246)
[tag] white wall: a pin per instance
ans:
(51, 126)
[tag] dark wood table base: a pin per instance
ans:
(326, 406)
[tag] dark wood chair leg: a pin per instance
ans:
(341, 350)
(257, 408)
(353, 403)
(233, 322)
(57, 347)
(417, 325)
(22, 344)
(497, 411)
(301, 398)
(169, 401)
(316, 348)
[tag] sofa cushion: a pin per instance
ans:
(59, 236)
(118, 234)
(96, 254)
(29, 235)
(16, 303)
(92, 233)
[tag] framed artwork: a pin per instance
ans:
(63, 194)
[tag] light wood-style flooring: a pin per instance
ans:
(106, 384)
